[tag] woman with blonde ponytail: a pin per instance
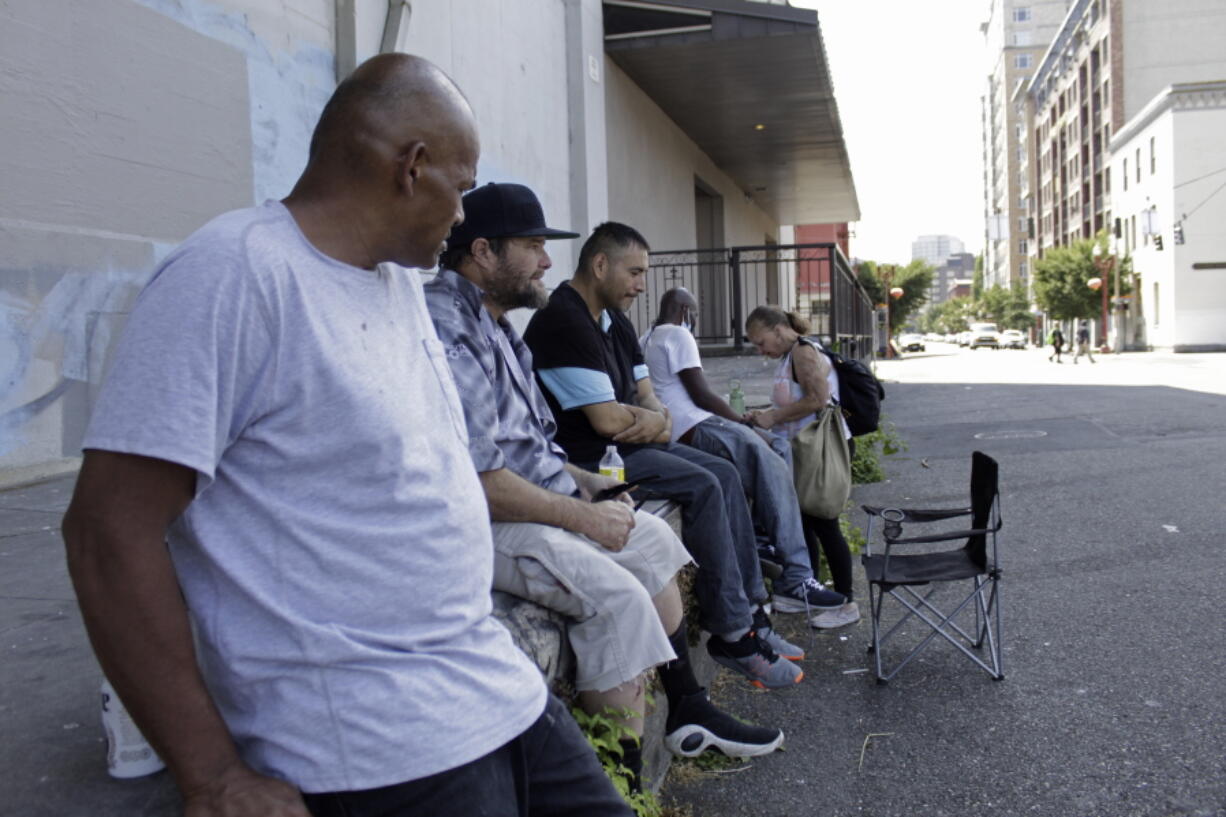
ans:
(804, 383)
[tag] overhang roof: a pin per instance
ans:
(722, 68)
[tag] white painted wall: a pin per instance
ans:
(127, 124)
(1190, 308)
(511, 63)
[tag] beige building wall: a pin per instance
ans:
(653, 165)
(128, 124)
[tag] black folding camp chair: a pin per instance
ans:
(896, 575)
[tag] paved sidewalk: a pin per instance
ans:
(53, 748)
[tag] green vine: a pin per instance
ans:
(605, 731)
(870, 448)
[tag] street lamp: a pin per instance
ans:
(886, 274)
(1104, 261)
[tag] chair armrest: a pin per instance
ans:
(942, 537)
(919, 514)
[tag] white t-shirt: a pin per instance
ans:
(668, 350)
(337, 557)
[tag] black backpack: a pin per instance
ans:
(860, 394)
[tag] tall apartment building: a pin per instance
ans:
(934, 249)
(1016, 33)
(1106, 62)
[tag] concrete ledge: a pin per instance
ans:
(1193, 348)
(541, 634)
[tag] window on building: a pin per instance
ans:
(1124, 174)
(1021, 61)
(1153, 157)
(1023, 268)
(1022, 246)
(1021, 14)
(1138, 165)
(1023, 38)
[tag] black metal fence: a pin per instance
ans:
(729, 283)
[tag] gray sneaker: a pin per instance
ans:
(766, 631)
(849, 613)
(754, 658)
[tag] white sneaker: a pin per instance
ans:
(849, 613)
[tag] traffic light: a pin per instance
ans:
(1178, 232)
(1158, 242)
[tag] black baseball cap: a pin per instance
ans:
(502, 211)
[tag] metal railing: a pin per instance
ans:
(814, 280)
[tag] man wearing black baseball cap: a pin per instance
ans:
(622, 595)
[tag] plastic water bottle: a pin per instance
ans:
(611, 464)
(736, 397)
(128, 754)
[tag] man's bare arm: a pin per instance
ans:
(626, 424)
(646, 397)
(115, 532)
(514, 499)
(696, 386)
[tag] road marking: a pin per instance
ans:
(1016, 434)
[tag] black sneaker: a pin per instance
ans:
(771, 561)
(697, 725)
(806, 596)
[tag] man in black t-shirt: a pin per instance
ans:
(590, 367)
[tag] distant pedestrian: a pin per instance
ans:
(1056, 339)
(1083, 342)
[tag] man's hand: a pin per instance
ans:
(240, 792)
(646, 428)
(608, 524)
(591, 483)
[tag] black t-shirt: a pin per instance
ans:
(579, 362)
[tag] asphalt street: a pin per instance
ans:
(1113, 704)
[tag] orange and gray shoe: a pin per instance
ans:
(754, 658)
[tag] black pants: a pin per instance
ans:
(829, 535)
(549, 770)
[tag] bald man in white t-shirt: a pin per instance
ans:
(704, 420)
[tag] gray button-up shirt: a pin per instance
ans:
(509, 422)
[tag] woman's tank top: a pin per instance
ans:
(787, 391)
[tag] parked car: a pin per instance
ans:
(964, 337)
(1012, 339)
(984, 334)
(911, 343)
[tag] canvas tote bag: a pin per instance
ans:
(821, 466)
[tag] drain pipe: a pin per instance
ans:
(396, 19)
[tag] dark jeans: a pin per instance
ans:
(548, 770)
(715, 527)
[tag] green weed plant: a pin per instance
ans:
(605, 732)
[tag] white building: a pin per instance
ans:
(1168, 182)
(127, 124)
